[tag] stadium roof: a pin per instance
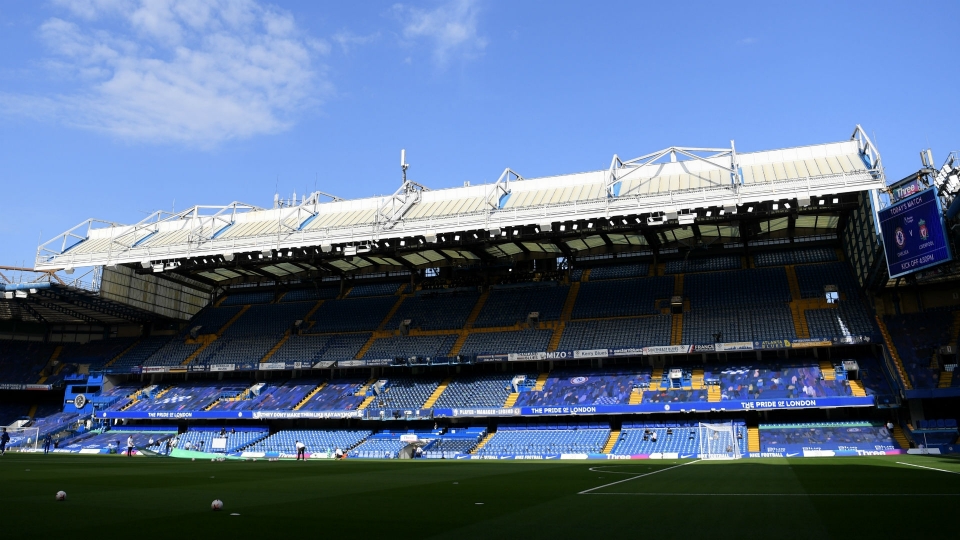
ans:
(416, 227)
(47, 299)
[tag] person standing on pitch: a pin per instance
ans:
(4, 439)
(130, 446)
(46, 444)
(301, 451)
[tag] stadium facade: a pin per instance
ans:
(688, 302)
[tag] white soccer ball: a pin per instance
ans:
(193, 459)
(61, 495)
(216, 505)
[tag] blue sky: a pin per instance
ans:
(112, 109)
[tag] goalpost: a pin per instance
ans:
(23, 439)
(719, 441)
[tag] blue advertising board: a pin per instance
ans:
(913, 234)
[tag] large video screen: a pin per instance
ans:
(913, 234)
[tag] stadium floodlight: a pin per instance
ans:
(68, 270)
(687, 219)
(326, 248)
(145, 264)
(749, 209)
(803, 201)
(786, 205)
(8, 295)
(267, 253)
(590, 225)
(20, 294)
(158, 267)
(836, 200)
(494, 231)
(228, 257)
(432, 238)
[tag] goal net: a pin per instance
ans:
(23, 439)
(718, 441)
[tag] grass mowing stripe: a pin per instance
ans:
(587, 491)
(930, 468)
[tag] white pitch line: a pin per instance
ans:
(930, 468)
(587, 491)
(784, 494)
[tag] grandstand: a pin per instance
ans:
(608, 314)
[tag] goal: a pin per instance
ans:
(23, 439)
(719, 441)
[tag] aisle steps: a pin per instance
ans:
(753, 439)
(310, 395)
(436, 393)
(611, 441)
(483, 442)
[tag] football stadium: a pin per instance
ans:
(696, 335)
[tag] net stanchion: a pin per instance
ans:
(718, 441)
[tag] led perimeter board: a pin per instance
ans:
(913, 234)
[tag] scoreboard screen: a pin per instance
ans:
(913, 234)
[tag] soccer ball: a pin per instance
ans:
(61, 495)
(216, 505)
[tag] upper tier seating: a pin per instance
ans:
(619, 271)
(405, 392)
(506, 342)
(508, 305)
(477, 391)
(776, 382)
(11, 412)
(251, 297)
(176, 351)
(616, 333)
(407, 346)
(848, 319)
(758, 323)
(22, 361)
(621, 297)
(323, 347)
(94, 353)
(794, 256)
(352, 315)
(373, 289)
(254, 333)
(311, 295)
(189, 396)
(337, 395)
(272, 397)
(709, 264)
(742, 288)
(813, 277)
(917, 336)
(435, 310)
(316, 440)
(513, 440)
(136, 356)
(610, 386)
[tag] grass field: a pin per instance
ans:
(111, 496)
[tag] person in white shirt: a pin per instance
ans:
(301, 451)
(130, 446)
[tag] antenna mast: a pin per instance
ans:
(404, 164)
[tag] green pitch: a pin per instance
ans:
(112, 496)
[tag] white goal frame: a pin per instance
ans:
(718, 441)
(19, 437)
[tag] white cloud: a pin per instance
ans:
(347, 40)
(451, 27)
(184, 71)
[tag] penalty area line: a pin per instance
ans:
(587, 491)
(928, 468)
